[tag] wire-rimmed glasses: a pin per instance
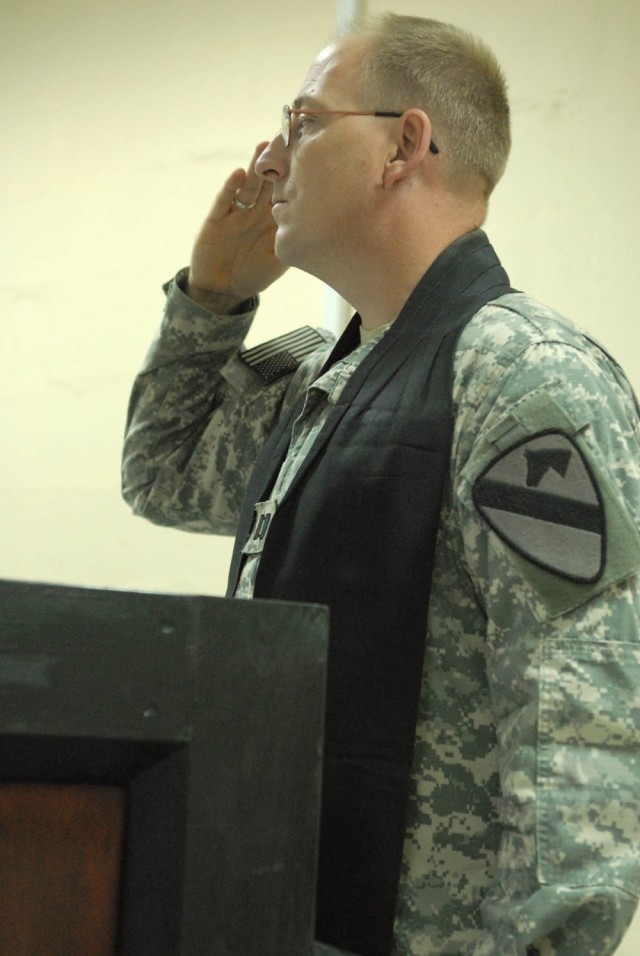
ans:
(288, 112)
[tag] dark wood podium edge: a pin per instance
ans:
(149, 691)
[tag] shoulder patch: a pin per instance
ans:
(541, 497)
(282, 355)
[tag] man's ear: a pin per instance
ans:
(411, 147)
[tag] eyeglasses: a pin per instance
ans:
(288, 113)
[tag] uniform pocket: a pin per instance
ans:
(588, 816)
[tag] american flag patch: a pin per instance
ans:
(282, 356)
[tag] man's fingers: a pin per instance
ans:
(241, 186)
(252, 188)
(224, 200)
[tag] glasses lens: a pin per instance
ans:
(286, 125)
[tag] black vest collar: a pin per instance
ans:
(463, 270)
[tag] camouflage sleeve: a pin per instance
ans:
(548, 495)
(201, 409)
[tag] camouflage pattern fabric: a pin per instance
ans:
(523, 831)
(199, 416)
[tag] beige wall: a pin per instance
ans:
(119, 120)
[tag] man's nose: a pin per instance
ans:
(272, 163)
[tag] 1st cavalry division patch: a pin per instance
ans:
(540, 497)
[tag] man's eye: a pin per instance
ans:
(302, 121)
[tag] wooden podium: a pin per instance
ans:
(160, 768)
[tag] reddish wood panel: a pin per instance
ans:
(60, 864)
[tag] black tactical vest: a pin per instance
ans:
(357, 531)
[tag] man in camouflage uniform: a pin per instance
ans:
(521, 821)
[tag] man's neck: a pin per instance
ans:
(379, 291)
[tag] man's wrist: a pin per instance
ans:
(217, 302)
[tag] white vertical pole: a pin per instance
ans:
(350, 10)
(337, 312)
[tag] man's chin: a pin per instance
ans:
(296, 254)
(283, 248)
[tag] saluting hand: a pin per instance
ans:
(233, 257)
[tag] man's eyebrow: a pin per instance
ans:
(301, 101)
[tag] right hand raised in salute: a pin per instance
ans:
(233, 257)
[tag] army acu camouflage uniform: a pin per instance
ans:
(524, 819)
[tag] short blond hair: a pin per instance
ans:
(454, 77)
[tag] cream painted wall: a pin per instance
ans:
(120, 119)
